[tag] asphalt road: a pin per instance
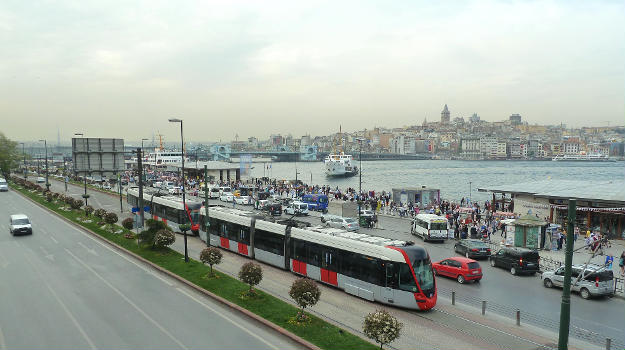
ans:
(61, 288)
(504, 293)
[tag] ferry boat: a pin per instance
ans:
(582, 157)
(340, 164)
(162, 157)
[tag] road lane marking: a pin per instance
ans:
(228, 319)
(46, 254)
(53, 239)
(135, 306)
(3, 344)
(63, 306)
(90, 250)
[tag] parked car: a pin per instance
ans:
(348, 224)
(106, 186)
(297, 208)
(244, 200)
(367, 213)
(589, 281)
(226, 196)
(20, 225)
(4, 186)
(41, 180)
(461, 269)
(472, 248)
(517, 260)
(213, 192)
(274, 209)
(261, 204)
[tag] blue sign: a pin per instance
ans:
(608, 261)
(146, 209)
(134, 209)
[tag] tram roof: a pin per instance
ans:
(352, 241)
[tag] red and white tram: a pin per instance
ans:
(167, 208)
(373, 268)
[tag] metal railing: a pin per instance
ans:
(520, 316)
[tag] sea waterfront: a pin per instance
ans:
(453, 177)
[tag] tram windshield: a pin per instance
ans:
(425, 277)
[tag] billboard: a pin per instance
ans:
(98, 156)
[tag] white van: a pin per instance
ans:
(4, 186)
(297, 208)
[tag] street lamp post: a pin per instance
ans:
(359, 180)
(184, 202)
(470, 182)
(45, 143)
(24, 155)
(84, 175)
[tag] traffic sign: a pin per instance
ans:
(146, 208)
(135, 209)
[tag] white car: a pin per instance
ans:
(261, 204)
(20, 225)
(213, 192)
(226, 197)
(243, 200)
(348, 224)
(595, 281)
(106, 186)
(41, 180)
(4, 187)
(297, 208)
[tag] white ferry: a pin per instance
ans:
(340, 164)
(582, 157)
(162, 157)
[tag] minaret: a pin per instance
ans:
(445, 115)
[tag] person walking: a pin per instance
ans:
(621, 263)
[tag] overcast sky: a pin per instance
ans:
(253, 68)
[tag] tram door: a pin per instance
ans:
(388, 291)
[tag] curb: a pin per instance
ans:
(223, 301)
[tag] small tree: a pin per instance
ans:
(99, 213)
(75, 203)
(49, 196)
(88, 210)
(164, 238)
(306, 293)
(147, 236)
(382, 327)
(128, 223)
(251, 274)
(211, 256)
(110, 218)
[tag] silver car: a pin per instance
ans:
(348, 224)
(20, 225)
(588, 280)
(4, 187)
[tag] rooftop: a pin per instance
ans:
(607, 191)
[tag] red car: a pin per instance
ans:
(462, 269)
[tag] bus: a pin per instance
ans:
(430, 227)
(374, 268)
(167, 208)
(318, 202)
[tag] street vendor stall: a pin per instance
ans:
(527, 230)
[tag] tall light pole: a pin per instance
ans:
(24, 155)
(84, 175)
(184, 202)
(359, 179)
(470, 182)
(45, 143)
(142, 153)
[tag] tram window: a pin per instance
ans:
(269, 241)
(233, 232)
(372, 271)
(172, 214)
(299, 250)
(214, 226)
(223, 232)
(244, 235)
(406, 280)
(392, 275)
(314, 252)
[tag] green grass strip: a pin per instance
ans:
(317, 331)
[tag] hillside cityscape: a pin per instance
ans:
(467, 138)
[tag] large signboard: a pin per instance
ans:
(245, 164)
(99, 156)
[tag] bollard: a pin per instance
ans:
(483, 307)
(608, 344)
(453, 297)
(518, 317)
